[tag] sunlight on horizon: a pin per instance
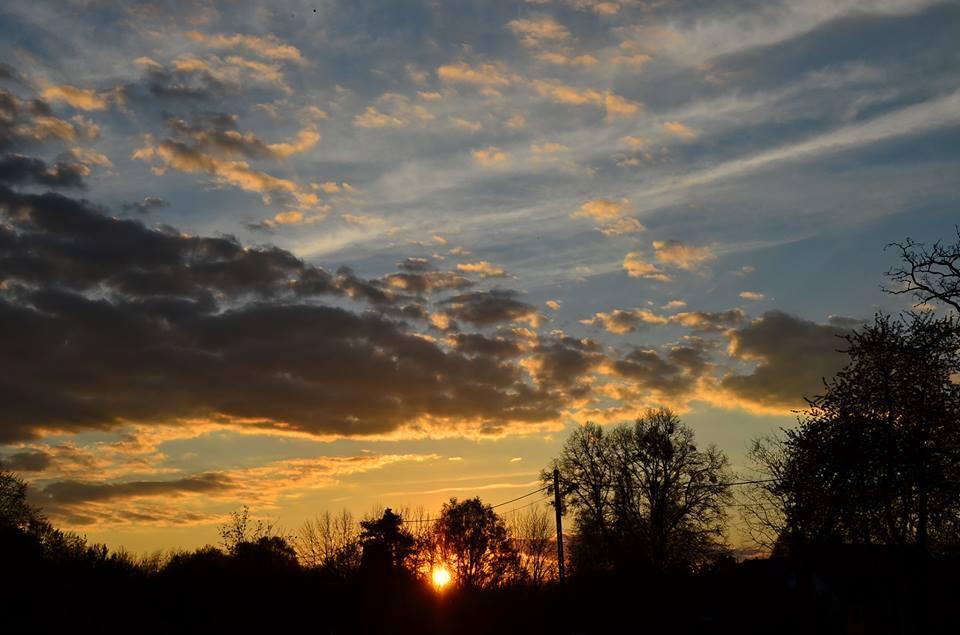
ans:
(441, 578)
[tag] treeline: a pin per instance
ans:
(857, 507)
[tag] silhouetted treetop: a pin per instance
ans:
(929, 272)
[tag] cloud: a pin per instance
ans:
(16, 169)
(393, 110)
(562, 59)
(539, 30)
(491, 156)
(30, 461)
(678, 254)
(792, 355)
(31, 121)
(186, 327)
(68, 493)
(218, 132)
(548, 147)
(558, 92)
(752, 295)
(209, 151)
(680, 130)
(637, 267)
(671, 377)
(478, 75)
(622, 226)
(564, 364)
(80, 98)
(269, 46)
(709, 321)
(602, 209)
(621, 322)
(486, 308)
(465, 125)
(147, 205)
(484, 268)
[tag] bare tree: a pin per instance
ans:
(929, 272)
(330, 542)
(241, 529)
(533, 534)
(762, 504)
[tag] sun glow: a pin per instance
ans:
(441, 578)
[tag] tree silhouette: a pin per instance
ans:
(475, 544)
(644, 493)
(386, 544)
(929, 272)
(15, 512)
(533, 535)
(876, 458)
(330, 543)
(241, 529)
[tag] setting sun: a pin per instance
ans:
(441, 577)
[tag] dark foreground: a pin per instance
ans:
(839, 591)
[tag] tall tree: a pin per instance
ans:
(644, 493)
(876, 458)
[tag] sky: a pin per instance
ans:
(341, 254)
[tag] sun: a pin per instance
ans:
(441, 577)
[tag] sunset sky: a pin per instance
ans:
(325, 255)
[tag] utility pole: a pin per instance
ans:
(556, 504)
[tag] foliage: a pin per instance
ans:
(876, 458)
(644, 494)
(387, 545)
(241, 529)
(474, 543)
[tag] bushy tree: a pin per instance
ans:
(473, 541)
(386, 545)
(644, 493)
(875, 459)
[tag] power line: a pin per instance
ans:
(516, 509)
(512, 500)
(545, 487)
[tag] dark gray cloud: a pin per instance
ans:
(562, 362)
(69, 493)
(147, 205)
(107, 321)
(479, 344)
(673, 374)
(486, 308)
(31, 461)
(218, 132)
(793, 357)
(16, 169)
(55, 241)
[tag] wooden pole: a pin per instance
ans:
(556, 504)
